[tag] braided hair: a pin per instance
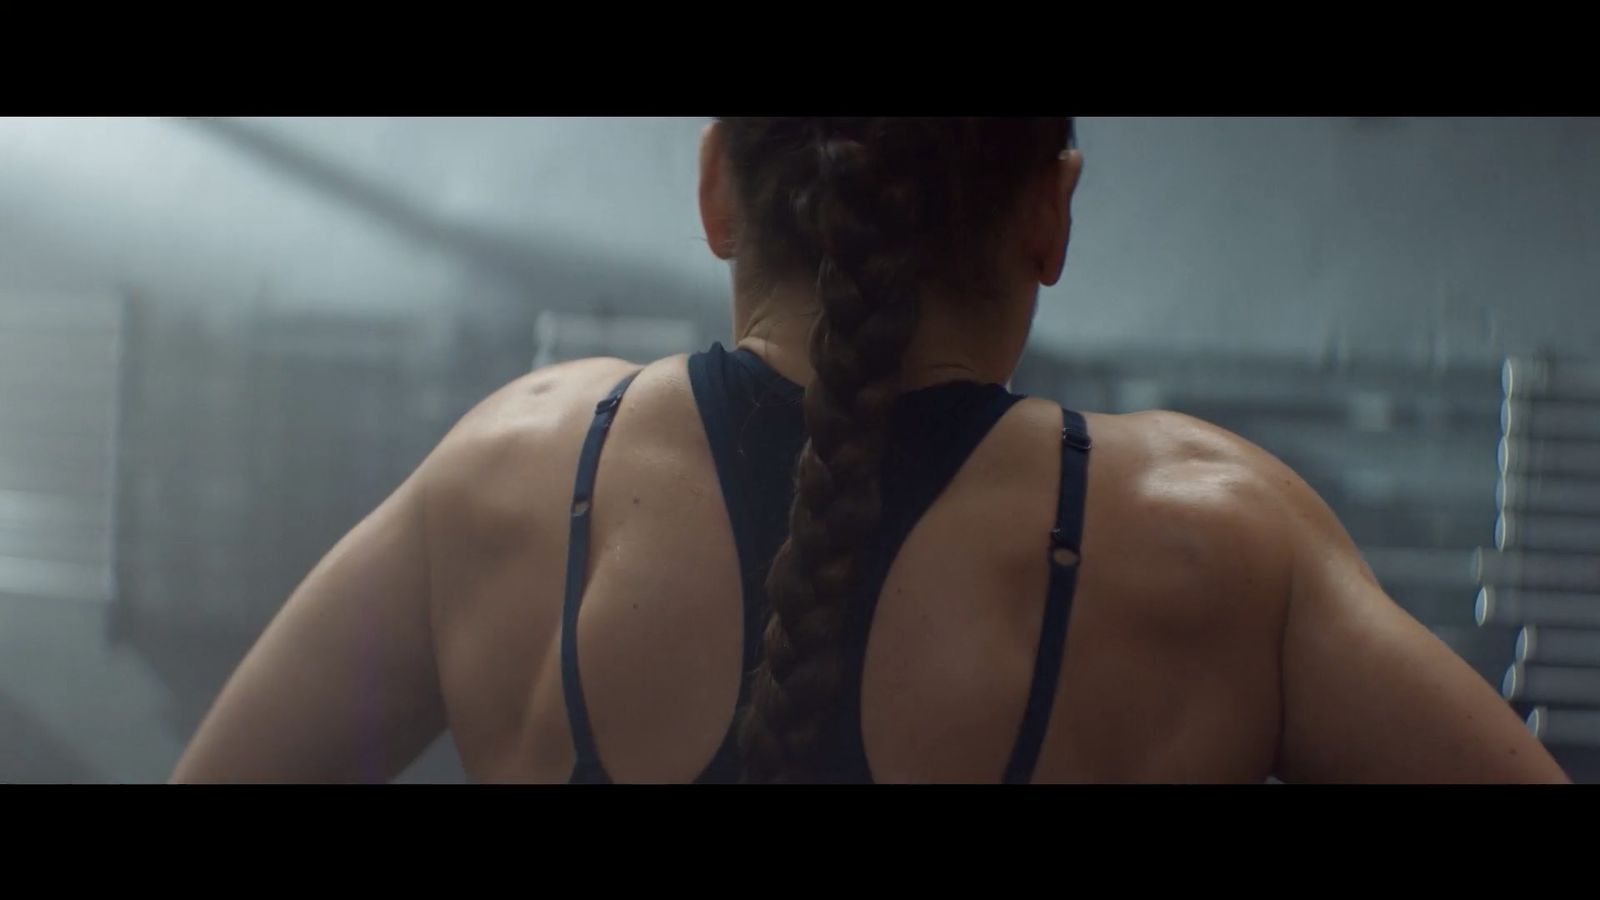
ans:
(874, 210)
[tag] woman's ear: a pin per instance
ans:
(1053, 226)
(717, 206)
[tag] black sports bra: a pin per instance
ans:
(753, 421)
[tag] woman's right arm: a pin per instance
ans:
(1369, 694)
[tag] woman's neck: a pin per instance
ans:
(947, 346)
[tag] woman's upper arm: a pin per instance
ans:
(342, 685)
(1369, 694)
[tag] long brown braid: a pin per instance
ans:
(875, 210)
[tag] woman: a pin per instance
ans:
(844, 552)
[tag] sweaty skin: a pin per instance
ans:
(1225, 627)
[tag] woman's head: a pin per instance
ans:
(879, 224)
(971, 214)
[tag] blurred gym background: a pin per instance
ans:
(222, 342)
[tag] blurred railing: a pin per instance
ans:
(58, 419)
(1543, 574)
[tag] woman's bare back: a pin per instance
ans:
(1175, 665)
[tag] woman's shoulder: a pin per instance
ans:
(520, 443)
(1199, 514)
